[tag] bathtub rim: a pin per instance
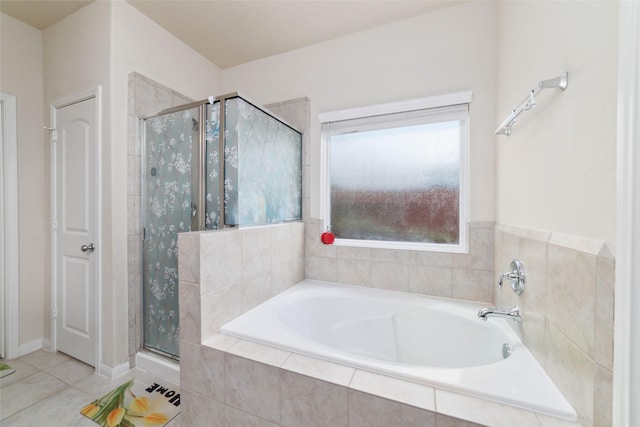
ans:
(567, 414)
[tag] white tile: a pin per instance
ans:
(353, 272)
(202, 370)
(24, 393)
(366, 410)
(259, 353)
(217, 308)
(418, 395)
(319, 369)
(236, 418)
(571, 294)
(354, 253)
(197, 410)
(321, 268)
(71, 371)
(190, 314)
(98, 386)
(220, 342)
(42, 359)
(577, 243)
(392, 276)
(60, 409)
(572, 371)
(189, 257)
(220, 259)
(472, 285)
(23, 370)
(309, 402)
(256, 251)
(252, 387)
(483, 411)
(605, 291)
(430, 280)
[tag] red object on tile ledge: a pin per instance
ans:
(327, 238)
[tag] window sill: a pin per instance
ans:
(406, 246)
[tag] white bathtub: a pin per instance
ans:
(435, 341)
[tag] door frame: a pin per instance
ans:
(11, 282)
(96, 93)
(626, 364)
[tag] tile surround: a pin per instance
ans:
(262, 388)
(565, 360)
(463, 276)
(567, 310)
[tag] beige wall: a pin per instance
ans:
(21, 77)
(76, 59)
(140, 45)
(557, 170)
(447, 51)
(100, 45)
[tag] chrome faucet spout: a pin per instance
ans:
(512, 313)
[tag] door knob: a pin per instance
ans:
(87, 248)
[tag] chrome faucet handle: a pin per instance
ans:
(515, 276)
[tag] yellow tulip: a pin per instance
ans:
(115, 416)
(155, 419)
(139, 406)
(90, 410)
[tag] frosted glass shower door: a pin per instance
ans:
(171, 147)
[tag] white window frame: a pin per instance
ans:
(331, 125)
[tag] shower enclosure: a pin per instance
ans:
(222, 162)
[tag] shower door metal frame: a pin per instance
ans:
(197, 196)
(198, 179)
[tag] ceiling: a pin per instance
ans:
(233, 32)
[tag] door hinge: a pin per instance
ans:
(54, 133)
(54, 313)
(54, 224)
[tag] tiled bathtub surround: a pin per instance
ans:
(248, 384)
(462, 276)
(231, 382)
(227, 272)
(567, 311)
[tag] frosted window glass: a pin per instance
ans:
(400, 184)
(263, 169)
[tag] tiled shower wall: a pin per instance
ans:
(145, 97)
(567, 311)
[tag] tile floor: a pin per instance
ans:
(49, 389)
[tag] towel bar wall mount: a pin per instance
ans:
(561, 82)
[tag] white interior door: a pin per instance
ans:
(74, 229)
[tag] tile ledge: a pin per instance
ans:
(582, 244)
(529, 233)
(220, 342)
(237, 349)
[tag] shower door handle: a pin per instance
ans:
(87, 248)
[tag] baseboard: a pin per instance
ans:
(158, 366)
(114, 372)
(30, 347)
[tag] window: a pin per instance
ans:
(398, 180)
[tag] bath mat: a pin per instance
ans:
(135, 403)
(5, 370)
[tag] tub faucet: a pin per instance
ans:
(512, 313)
